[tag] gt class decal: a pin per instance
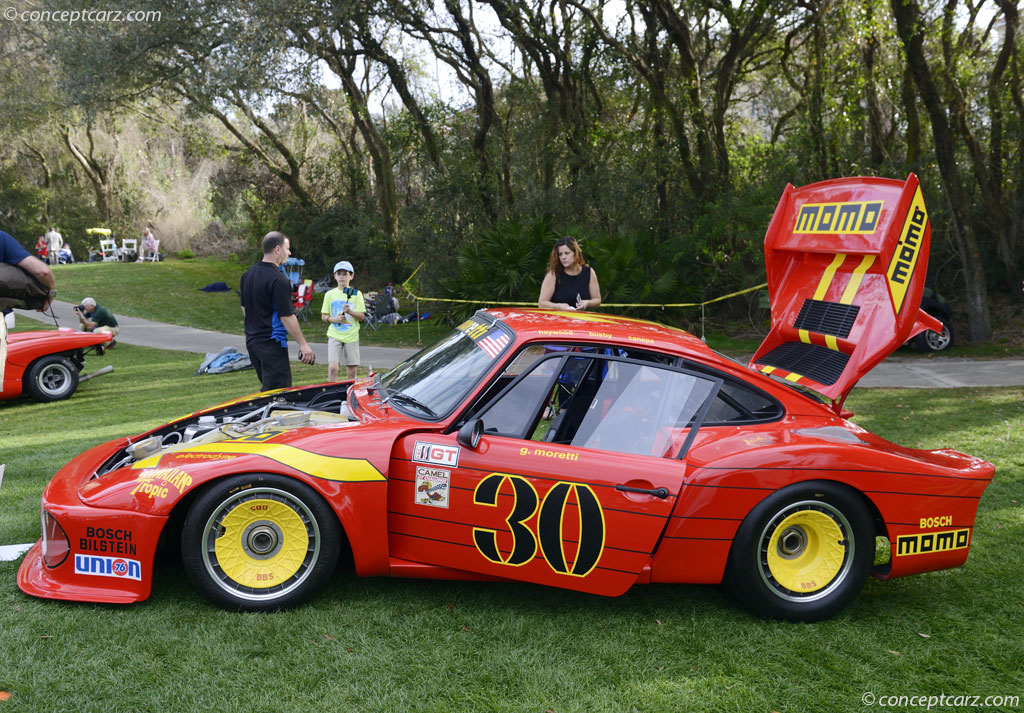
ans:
(436, 454)
(119, 567)
(550, 528)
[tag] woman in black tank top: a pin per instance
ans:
(570, 284)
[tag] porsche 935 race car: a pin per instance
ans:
(577, 450)
(47, 364)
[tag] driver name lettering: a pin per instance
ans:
(157, 483)
(562, 455)
(474, 330)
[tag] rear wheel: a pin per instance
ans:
(51, 378)
(803, 553)
(259, 542)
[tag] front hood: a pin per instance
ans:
(59, 339)
(846, 262)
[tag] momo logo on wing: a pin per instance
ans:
(98, 566)
(435, 454)
(908, 250)
(835, 218)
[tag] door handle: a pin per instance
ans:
(656, 492)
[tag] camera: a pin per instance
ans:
(80, 308)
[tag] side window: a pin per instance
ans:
(737, 403)
(601, 403)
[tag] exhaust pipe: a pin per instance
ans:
(99, 372)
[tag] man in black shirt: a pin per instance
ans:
(269, 318)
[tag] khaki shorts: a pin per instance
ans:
(106, 330)
(346, 353)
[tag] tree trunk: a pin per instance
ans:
(910, 30)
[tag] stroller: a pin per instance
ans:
(382, 308)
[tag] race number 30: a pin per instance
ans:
(549, 525)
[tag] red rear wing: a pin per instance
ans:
(846, 262)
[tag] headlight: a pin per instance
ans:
(55, 542)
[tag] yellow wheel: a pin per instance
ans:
(803, 553)
(259, 542)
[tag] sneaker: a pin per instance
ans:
(113, 342)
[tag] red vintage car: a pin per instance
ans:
(47, 364)
(571, 449)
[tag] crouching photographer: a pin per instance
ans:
(95, 318)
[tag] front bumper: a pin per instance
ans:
(109, 553)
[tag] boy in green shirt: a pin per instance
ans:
(344, 308)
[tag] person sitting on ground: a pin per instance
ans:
(344, 308)
(569, 284)
(95, 318)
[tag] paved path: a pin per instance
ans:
(147, 333)
(901, 371)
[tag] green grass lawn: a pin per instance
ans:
(385, 645)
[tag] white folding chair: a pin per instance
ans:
(153, 256)
(109, 250)
(129, 248)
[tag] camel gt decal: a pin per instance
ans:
(436, 454)
(119, 567)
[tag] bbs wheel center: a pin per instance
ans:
(262, 540)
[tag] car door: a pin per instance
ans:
(572, 482)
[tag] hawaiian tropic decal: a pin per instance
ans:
(491, 338)
(551, 529)
(908, 250)
(345, 470)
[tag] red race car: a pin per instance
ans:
(47, 364)
(572, 449)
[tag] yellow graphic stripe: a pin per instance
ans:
(767, 369)
(828, 276)
(793, 377)
(858, 277)
(805, 336)
(344, 470)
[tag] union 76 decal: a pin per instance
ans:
(550, 525)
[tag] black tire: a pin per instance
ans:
(259, 542)
(779, 566)
(929, 341)
(51, 378)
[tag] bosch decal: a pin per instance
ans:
(432, 486)
(99, 566)
(436, 454)
(111, 540)
(930, 542)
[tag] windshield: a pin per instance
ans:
(434, 381)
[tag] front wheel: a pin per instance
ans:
(51, 378)
(803, 553)
(259, 542)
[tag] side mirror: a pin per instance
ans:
(470, 433)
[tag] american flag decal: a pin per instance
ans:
(493, 343)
